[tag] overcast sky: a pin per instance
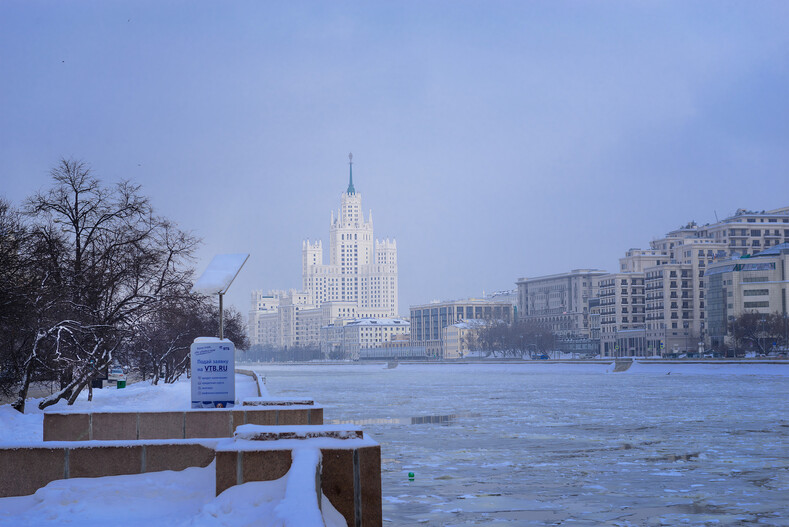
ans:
(493, 140)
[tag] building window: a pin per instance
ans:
(755, 292)
(749, 305)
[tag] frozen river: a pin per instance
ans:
(539, 444)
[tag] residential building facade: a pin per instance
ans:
(622, 315)
(674, 282)
(749, 232)
(361, 269)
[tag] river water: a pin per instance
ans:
(528, 444)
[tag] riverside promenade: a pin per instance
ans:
(263, 439)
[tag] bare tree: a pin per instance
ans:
(105, 262)
(516, 339)
(162, 342)
(760, 332)
(15, 285)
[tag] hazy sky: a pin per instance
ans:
(493, 140)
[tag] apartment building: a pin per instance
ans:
(749, 232)
(456, 337)
(675, 294)
(673, 270)
(622, 314)
(361, 269)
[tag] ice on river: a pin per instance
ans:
(530, 444)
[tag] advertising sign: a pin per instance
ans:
(213, 373)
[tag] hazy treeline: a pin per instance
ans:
(511, 340)
(91, 276)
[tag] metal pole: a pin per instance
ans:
(221, 319)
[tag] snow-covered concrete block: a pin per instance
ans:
(113, 426)
(274, 433)
(104, 461)
(176, 457)
(294, 416)
(208, 424)
(161, 425)
(75, 425)
(350, 475)
(260, 418)
(66, 427)
(281, 401)
(24, 471)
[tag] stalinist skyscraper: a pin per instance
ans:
(359, 282)
(361, 269)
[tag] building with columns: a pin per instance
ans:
(359, 281)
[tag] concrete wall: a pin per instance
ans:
(23, 470)
(350, 478)
(188, 424)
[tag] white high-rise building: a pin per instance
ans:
(361, 269)
(360, 281)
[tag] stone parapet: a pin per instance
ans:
(268, 401)
(350, 470)
(187, 424)
(25, 469)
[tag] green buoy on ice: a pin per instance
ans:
(410, 476)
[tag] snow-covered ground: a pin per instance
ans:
(524, 444)
(19, 428)
(184, 498)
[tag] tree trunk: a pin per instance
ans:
(155, 376)
(80, 386)
(69, 392)
(27, 375)
(19, 404)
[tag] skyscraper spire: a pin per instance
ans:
(351, 190)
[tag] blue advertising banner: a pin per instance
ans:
(213, 373)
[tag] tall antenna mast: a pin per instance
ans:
(351, 190)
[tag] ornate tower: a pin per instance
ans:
(355, 272)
